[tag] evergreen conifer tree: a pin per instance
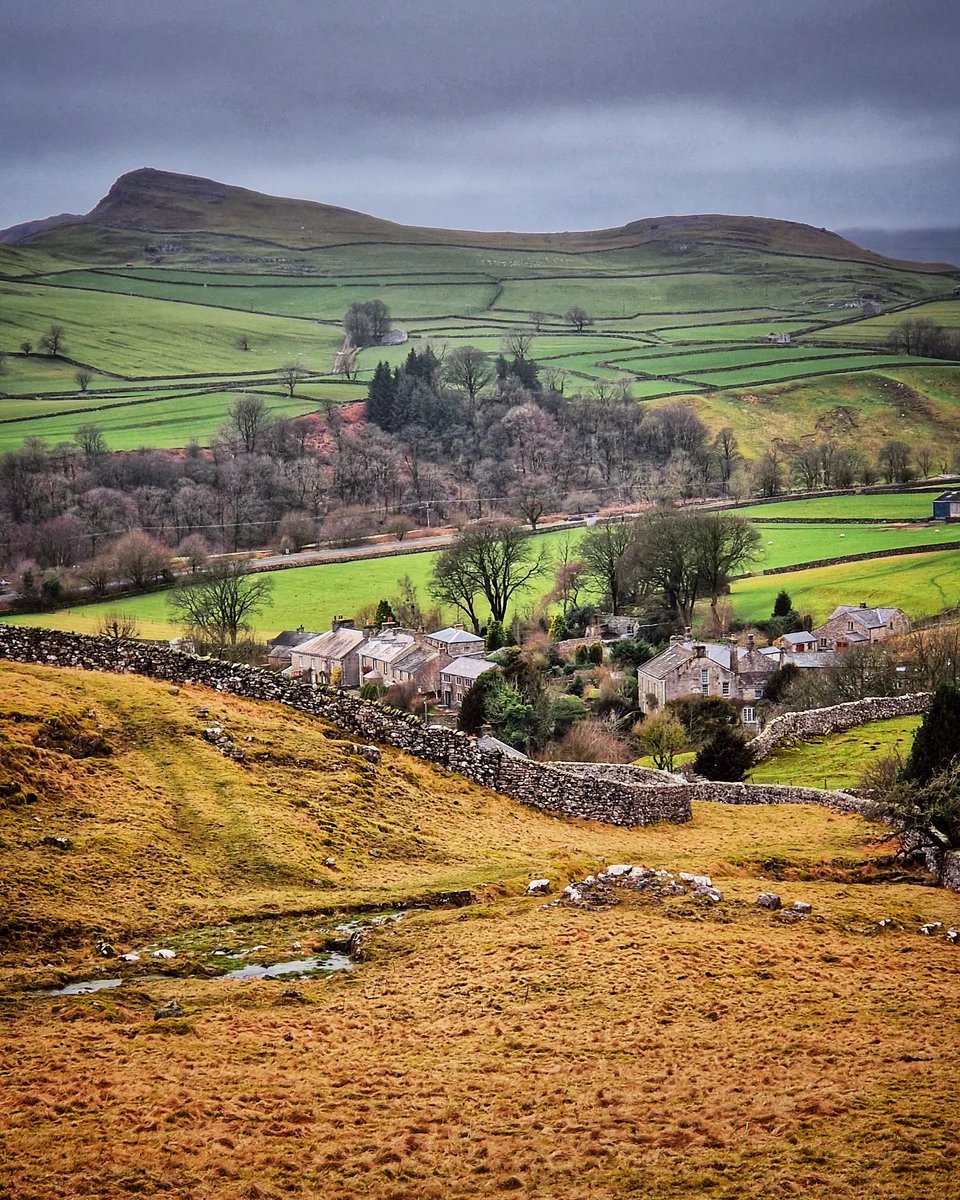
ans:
(726, 756)
(380, 396)
(937, 741)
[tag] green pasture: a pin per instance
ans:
(696, 362)
(891, 506)
(747, 332)
(785, 545)
(874, 329)
(320, 300)
(165, 421)
(862, 408)
(920, 584)
(839, 760)
(696, 292)
(786, 370)
(134, 336)
(308, 596)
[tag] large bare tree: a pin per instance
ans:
(218, 602)
(491, 561)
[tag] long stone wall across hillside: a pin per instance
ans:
(617, 795)
(817, 722)
(536, 784)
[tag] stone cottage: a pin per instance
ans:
(458, 676)
(694, 668)
(332, 657)
(852, 625)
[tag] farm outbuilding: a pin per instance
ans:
(947, 506)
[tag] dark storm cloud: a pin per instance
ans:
(527, 114)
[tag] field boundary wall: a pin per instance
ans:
(616, 795)
(817, 722)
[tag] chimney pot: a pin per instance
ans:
(863, 604)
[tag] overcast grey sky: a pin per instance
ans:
(494, 114)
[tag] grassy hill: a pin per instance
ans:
(514, 1045)
(170, 276)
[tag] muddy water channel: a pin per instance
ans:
(268, 949)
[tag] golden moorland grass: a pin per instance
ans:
(649, 1048)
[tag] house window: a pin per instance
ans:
(849, 627)
(823, 643)
(758, 693)
(748, 716)
(725, 688)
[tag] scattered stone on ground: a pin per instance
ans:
(164, 954)
(106, 950)
(171, 1009)
(802, 906)
(59, 843)
(769, 900)
(217, 736)
(538, 887)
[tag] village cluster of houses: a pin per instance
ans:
(740, 673)
(445, 664)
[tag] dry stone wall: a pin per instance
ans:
(816, 722)
(617, 795)
(539, 785)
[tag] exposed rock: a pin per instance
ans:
(931, 928)
(296, 946)
(615, 871)
(370, 753)
(707, 895)
(538, 887)
(953, 936)
(330, 862)
(131, 956)
(801, 906)
(58, 843)
(106, 950)
(769, 900)
(164, 954)
(698, 881)
(171, 1009)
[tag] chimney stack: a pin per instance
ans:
(749, 643)
(342, 622)
(699, 650)
(863, 604)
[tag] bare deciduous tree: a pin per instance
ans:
(219, 601)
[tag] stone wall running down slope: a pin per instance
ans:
(616, 795)
(817, 722)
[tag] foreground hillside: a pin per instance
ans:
(642, 1045)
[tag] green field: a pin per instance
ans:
(875, 329)
(920, 584)
(311, 596)
(836, 761)
(784, 545)
(697, 308)
(168, 421)
(892, 506)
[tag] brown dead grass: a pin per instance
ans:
(648, 1049)
(638, 1050)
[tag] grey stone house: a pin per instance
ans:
(693, 668)
(458, 676)
(856, 625)
(332, 657)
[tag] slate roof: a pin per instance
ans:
(798, 639)
(455, 637)
(869, 618)
(335, 643)
(493, 745)
(387, 647)
(748, 662)
(291, 637)
(415, 658)
(466, 667)
(803, 659)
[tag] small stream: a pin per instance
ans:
(326, 962)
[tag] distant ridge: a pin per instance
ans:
(154, 202)
(920, 245)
